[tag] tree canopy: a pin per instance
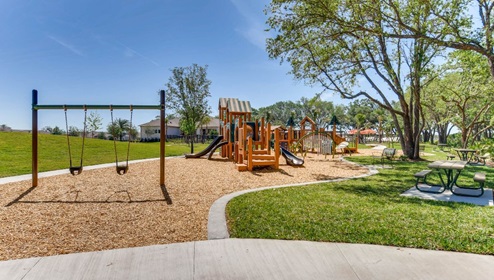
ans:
(344, 47)
(464, 90)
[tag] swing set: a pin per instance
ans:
(121, 168)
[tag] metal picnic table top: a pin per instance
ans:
(448, 164)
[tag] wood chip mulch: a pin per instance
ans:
(100, 210)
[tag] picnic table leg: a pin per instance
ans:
(461, 155)
(442, 186)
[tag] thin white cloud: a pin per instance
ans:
(254, 31)
(67, 46)
(128, 52)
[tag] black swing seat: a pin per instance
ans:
(75, 170)
(122, 169)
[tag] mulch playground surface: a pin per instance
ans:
(100, 209)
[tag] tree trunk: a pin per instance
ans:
(191, 144)
(427, 135)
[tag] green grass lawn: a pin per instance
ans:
(15, 152)
(368, 210)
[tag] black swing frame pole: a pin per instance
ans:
(34, 132)
(34, 141)
(162, 138)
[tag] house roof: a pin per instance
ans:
(214, 123)
(154, 123)
(176, 123)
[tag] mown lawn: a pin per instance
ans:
(15, 152)
(368, 210)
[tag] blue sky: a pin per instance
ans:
(121, 52)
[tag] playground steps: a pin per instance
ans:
(263, 157)
(241, 167)
(260, 162)
(257, 160)
(260, 152)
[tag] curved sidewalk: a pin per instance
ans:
(254, 259)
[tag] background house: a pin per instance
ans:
(151, 130)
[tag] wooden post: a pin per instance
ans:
(277, 149)
(250, 164)
(290, 138)
(268, 137)
(162, 138)
(34, 141)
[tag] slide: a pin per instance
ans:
(290, 158)
(205, 151)
(216, 147)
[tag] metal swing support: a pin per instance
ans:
(36, 107)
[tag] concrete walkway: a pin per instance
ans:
(254, 259)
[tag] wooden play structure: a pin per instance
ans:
(310, 139)
(339, 139)
(247, 143)
(256, 143)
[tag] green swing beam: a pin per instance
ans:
(36, 107)
(96, 107)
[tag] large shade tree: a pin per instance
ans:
(186, 94)
(343, 46)
(437, 113)
(466, 91)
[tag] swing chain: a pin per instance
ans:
(121, 169)
(75, 170)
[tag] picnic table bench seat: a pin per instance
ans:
(422, 174)
(481, 159)
(450, 157)
(422, 179)
(478, 178)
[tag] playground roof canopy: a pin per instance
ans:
(235, 106)
(363, 132)
(307, 119)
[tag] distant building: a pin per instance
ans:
(6, 128)
(151, 130)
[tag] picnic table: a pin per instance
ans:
(452, 169)
(443, 147)
(466, 154)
